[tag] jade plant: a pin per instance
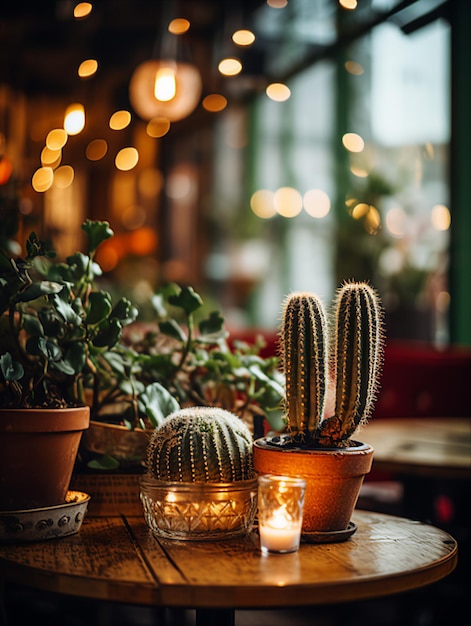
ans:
(348, 369)
(56, 326)
(201, 444)
(190, 354)
(182, 358)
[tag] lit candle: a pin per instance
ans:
(280, 512)
(279, 533)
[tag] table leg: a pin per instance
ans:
(215, 617)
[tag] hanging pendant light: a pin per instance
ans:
(165, 88)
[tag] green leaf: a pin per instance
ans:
(158, 302)
(159, 363)
(99, 307)
(116, 361)
(42, 266)
(108, 335)
(33, 325)
(187, 299)
(4, 296)
(158, 403)
(48, 348)
(66, 311)
(277, 420)
(131, 388)
(35, 247)
(78, 266)
(11, 370)
(76, 356)
(36, 290)
(60, 272)
(63, 366)
(96, 232)
(213, 324)
(105, 462)
(172, 329)
(125, 311)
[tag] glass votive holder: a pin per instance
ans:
(280, 512)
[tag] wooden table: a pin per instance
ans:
(118, 559)
(437, 447)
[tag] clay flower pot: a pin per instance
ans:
(333, 480)
(126, 446)
(38, 448)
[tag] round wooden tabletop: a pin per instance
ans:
(118, 559)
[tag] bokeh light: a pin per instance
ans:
(158, 127)
(262, 203)
(243, 37)
(82, 9)
(127, 159)
(288, 201)
(441, 217)
(316, 203)
(96, 149)
(42, 179)
(178, 26)
(88, 68)
(353, 142)
(214, 102)
(230, 66)
(278, 92)
(120, 120)
(56, 139)
(64, 176)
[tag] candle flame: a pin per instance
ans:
(280, 519)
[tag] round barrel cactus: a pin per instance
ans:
(201, 444)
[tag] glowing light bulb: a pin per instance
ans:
(165, 86)
(74, 120)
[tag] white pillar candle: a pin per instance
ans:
(279, 533)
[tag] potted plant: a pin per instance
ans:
(200, 482)
(319, 445)
(54, 327)
(174, 362)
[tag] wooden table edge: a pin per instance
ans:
(304, 595)
(158, 593)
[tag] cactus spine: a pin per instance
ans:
(201, 444)
(356, 356)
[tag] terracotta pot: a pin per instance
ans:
(126, 446)
(38, 448)
(333, 479)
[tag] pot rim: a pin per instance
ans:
(118, 427)
(44, 419)
(359, 447)
(148, 482)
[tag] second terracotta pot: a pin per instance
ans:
(333, 479)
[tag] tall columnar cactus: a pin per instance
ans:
(355, 357)
(304, 355)
(201, 444)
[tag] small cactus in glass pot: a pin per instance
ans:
(200, 481)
